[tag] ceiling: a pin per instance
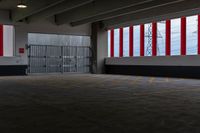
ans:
(111, 13)
(8, 4)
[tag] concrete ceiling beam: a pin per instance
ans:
(124, 11)
(184, 8)
(34, 7)
(98, 7)
(59, 8)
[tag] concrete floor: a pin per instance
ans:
(83, 103)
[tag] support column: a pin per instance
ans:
(1, 40)
(99, 45)
(112, 46)
(142, 40)
(154, 39)
(131, 41)
(168, 38)
(183, 36)
(198, 34)
(121, 32)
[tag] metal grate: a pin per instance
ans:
(54, 59)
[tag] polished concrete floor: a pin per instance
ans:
(83, 103)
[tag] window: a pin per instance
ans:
(148, 40)
(109, 43)
(7, 40)
(116, 42)
(161, 38)
(175, 36)
(136, 39)
(126, 42)
(191, 35)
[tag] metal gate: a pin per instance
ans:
(54, 59)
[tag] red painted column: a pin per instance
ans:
(1, 40)
(199, 34)
(112, 43)
(154, 39)
(121, 32)
(131, 41)
(142, 40)
(183, 36)
(168, 38)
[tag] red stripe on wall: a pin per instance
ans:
(154, 39)
(121, 32)
(1, 40)
(199, 34)
(112, 43)
(142, 40)
(131, 41)
(183, 36)
(168, 37)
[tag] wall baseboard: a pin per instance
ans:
(158, 71)
(12, 70)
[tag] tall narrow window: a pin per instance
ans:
(161, 38)
(148, 40)
(126, 42)
(136, 40)
(7, 40)
(192, 35)
(109, 43)
(116, 42)
(175, 36)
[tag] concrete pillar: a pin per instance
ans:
(99, 47)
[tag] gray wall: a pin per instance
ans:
(45, 26)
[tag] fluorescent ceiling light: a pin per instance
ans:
(22, 5)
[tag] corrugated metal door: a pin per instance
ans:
(54, 59)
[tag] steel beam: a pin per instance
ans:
(183, 36)
(131, 41)
(168, 38)
(154, 39)
(142, 40)
(112, 43)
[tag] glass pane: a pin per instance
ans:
(192, 35)
(148, 40)
(175, 36)
(136, 40)
(109, 43)
(161, 38)
(126, 42)
(8, 40)
(116, 42)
